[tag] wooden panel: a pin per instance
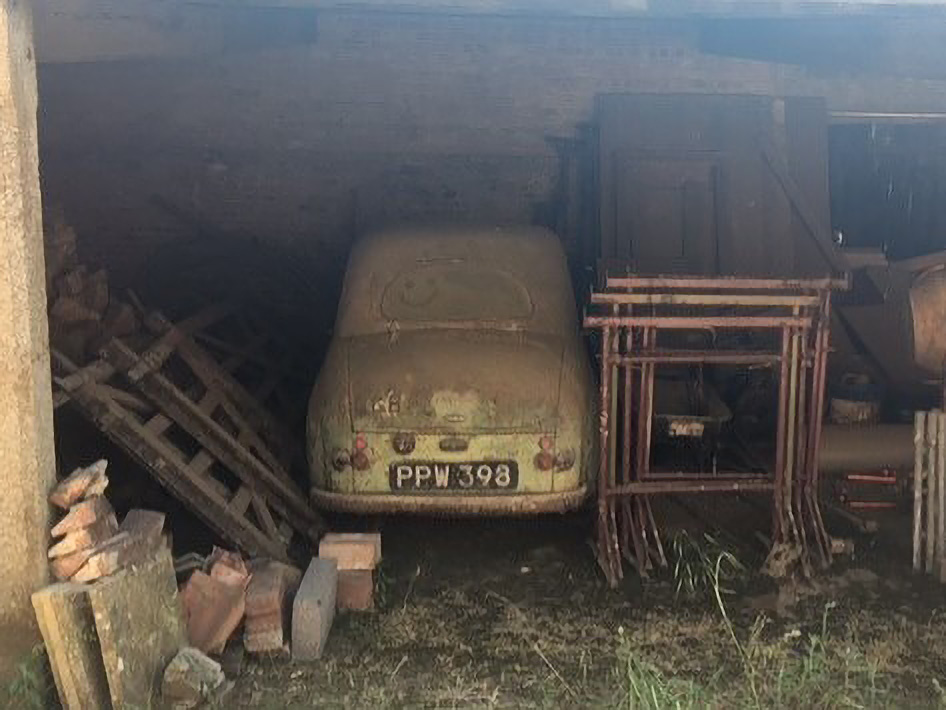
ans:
(746, 215)
(666, 214)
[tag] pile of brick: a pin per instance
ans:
(281, 611)
(83, 314)
(88, 541)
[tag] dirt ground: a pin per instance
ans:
(502, 614)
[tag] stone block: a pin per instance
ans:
(82, 515)
(355, 589)
(82, 483)
(313, 609)
(64, 615)
(85, 538)
(361, 551)
(212, 611)
(191, 678)
(138, 619)
(143, 523)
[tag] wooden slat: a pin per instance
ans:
(213, 376)
(166, 464)
(241, 501)
(158, 353)
(218, 442)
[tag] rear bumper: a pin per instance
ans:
(512, 504)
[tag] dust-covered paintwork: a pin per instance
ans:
(455, 337)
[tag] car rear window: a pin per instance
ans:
(457, 290)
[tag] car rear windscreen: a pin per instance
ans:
(456, 290)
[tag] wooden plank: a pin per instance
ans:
(241, 500)
(264, 516)
(165, 463)
(218, 442)
(919, 442)
(820, 233)
(158, 353)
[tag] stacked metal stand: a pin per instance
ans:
(644, 323)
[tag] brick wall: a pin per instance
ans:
(366, 118)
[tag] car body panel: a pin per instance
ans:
(504, 377)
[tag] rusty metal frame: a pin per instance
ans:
(629, 313)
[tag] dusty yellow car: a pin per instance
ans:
(457, 381)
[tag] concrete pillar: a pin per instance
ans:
(27, 466)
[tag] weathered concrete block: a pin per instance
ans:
(64, 614)
(143, 523)
(313, 609)
(82, 483)
(352, 550)
(85, 538)
(82, 515)
(138, 618)
(355, 589)
(212, 611)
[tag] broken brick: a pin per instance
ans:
(82, 515)
(268, 633)
(355, 590)
(313, 609)
(84, 538)
(212, 611)
(228, 567)
(82, 483)
(352, 551)
(64, 567)
(115, 553)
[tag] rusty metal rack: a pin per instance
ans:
(642, 323)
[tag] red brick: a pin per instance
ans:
(64, 567)
(81, 483)
(352, 551)
(228, 567)
(212, 611)
(355, 590)
(84, 538)
(117, 552)
(269, 599)
(82, 515)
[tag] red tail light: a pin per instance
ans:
(544, 461)
(360, 461)
(546, 443)
(361, 443)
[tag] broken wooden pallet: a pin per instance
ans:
(206, 440)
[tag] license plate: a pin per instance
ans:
(475, 475)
